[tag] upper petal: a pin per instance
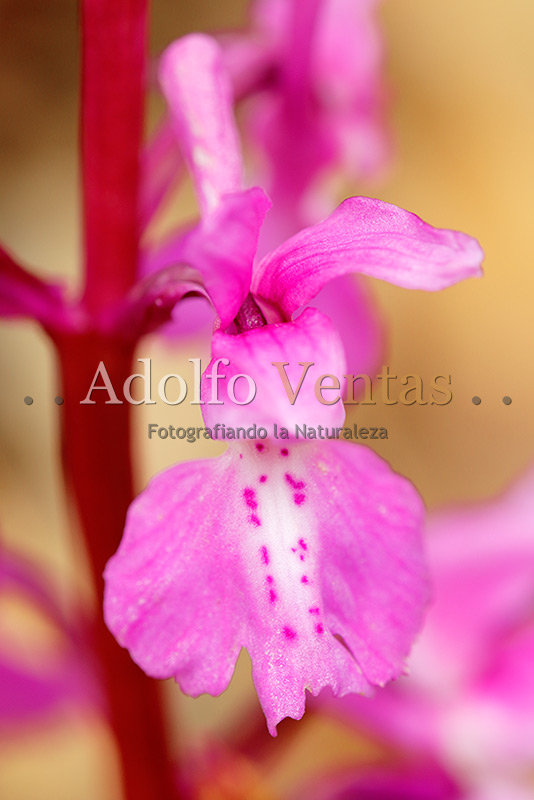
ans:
(214, 259)
(199, 95)
(371, 237)
(309, 556)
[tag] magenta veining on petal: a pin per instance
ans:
(250, 498)
(289, 633)
(295, 484)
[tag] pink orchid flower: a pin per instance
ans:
(307, 555)
(308, 75)
(317, 113)
(470, 697)
(414, 780)
(310, 78)
(311, 74)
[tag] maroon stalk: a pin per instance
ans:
(112, 116)
(96, 438)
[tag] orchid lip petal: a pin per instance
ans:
(294, 549)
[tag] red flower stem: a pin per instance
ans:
(96, 438)
(95, 443)
(112, 117)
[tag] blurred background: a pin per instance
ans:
(461, 107)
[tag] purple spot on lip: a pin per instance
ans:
(272, 596)
(263, 478)
(260, 447)
(294, 483)
(303, 544)
(301, 557)
(289, 633)
(250, 498)
(314, 610)
(255, 520)
(293, 549)
(264, 554)
(304, 579)
(298, 499)
(319, 628)
(284, 451)
(269, 578)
